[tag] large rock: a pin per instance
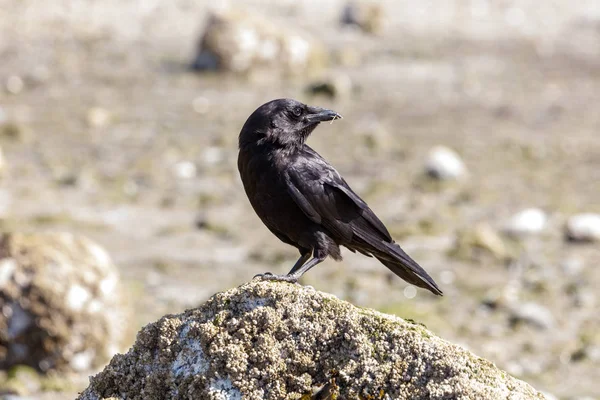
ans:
(267, 340)
(238, 41)
(59, 302)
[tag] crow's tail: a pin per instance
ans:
(412, 273)
(400, 263)
(370, 241)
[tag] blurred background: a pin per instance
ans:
(470, 127)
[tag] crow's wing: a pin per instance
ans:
(326, 199)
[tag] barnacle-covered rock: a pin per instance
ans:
(60, 302)
(267, 340)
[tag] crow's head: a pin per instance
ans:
(283, 122)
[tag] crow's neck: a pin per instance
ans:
(272, 150)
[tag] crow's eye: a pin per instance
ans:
(297, 111)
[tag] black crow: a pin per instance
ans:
(304, 201)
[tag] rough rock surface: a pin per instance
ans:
(268, 340)
(59, 302)
(239, 42)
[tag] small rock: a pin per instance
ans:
(337, 86)
(185, 170)
(201, 105)
(40, 74)
(60, 301)
(366, 16)
(374, 135)
(533, 314)
(583, 228)
(64, 176)
(444, 164)
(483, 237)
(14, 84)
(527, 222)
(501, 298)
(593, 353)
(97, 117)
(582, 297)
(12, 131)
(201, 222)
(213, 155)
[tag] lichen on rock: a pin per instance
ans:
(60, 302)
(267, 340)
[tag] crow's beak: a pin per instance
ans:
(318, 114)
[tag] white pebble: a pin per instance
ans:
(534, 314)
(97, 117)
(185, 169)
(443, 163)
(584, 227)
(213, 155)
(528, 221)
(201, 105)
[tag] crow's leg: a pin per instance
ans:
(298, 270)
(304, 255)
(295, 275)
